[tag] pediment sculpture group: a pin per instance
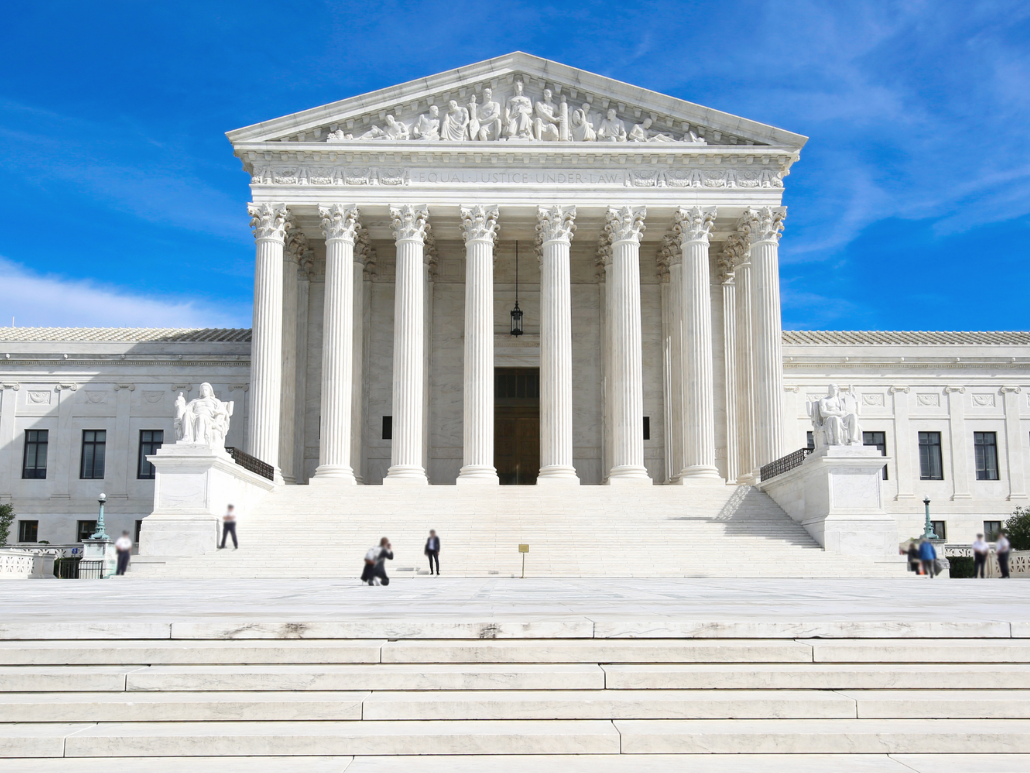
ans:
(519, 119)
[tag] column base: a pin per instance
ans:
(405, 475)
(338, 473)
(629, 475)
(557, 475)
(478, 475)
(277, 477)
(699, 473)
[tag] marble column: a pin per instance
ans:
(671, 254)
(339, 225)
(624, 227)
(409, 230)
(604, 267)
(694, 228)
(737, 247)
(555, 226)
(305, 269)
(729, 349)
(296, 243)
(364, 255)
(1014, 443)
(764, 227)
(479, 229)
(270, 223)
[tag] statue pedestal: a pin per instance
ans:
(836, 495)
(101, 550)
(193, 485)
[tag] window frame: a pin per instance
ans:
(93, 445)
(88, 532)
(882, 447)
(991, 535)
(930, 447)
(141, 456)
(943, 533)
(985, 455)
(23, 525)
(32, 438)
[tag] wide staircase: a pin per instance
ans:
(588, 531)
(579, 697)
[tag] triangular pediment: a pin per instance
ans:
(504, 100)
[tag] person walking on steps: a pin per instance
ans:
(980, 551)
(375, 563)
(927, 556)
(123, 546)
(1002, 548)
(433, 551)
(229, 527)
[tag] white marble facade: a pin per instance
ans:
(385, 232)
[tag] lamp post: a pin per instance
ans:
(516, 313)
(99, 533)
(928, 532)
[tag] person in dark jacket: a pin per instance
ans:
(375, 563)
(433, 551)
(927, 556)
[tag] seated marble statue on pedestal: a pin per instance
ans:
(835, 420)
(204, 421)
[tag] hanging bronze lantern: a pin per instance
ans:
(516, 313)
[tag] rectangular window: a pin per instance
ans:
(149, 441)
(34, 461)
(931, 465)
(85, 530)
(28, 531)
(940, 528)
(991, 529)
(986, 447)
(647, 428)
(94, 445)
(810, 439)
(879, 440)
(139, 527)
(388, 428)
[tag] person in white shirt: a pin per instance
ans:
(123, 546)
(1002, 548)
(980, 551)
(229, 527)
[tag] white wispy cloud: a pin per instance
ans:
(38, 300)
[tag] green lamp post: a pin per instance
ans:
(928, 532)
(99, 533)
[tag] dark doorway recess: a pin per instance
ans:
(517, 425)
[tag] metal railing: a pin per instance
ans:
(67, 568)
(91, 570)
(785, 463)
(251, 463)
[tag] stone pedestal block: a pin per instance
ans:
(193, 484)
(100, 550)
(836, 495)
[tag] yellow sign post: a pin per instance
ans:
(523, 549)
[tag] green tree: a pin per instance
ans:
(1018, 528)
(6, 519)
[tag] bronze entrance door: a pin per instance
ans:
(517, 425)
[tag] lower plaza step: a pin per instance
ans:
(659, 531)
(217, 688)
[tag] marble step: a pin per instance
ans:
(814, 676)
(609, 704)
(359, 677)
(544, 763)
(823, 736)
(123, 652)
(941, 704)
(598, 651)
(921, 651)
(180, 707)
(203, 739)
(63, 678)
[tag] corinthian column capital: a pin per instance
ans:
(269, 221)
(339, 221)
(624, 224)
(764, 224)
(736, 249)
(410, 223)
(669, 253)
(479, 223)
(694, 224)
(555, 224)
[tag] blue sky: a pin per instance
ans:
(122, 203)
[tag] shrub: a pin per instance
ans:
(961, 566)
(6, 519)
(1018, 527)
